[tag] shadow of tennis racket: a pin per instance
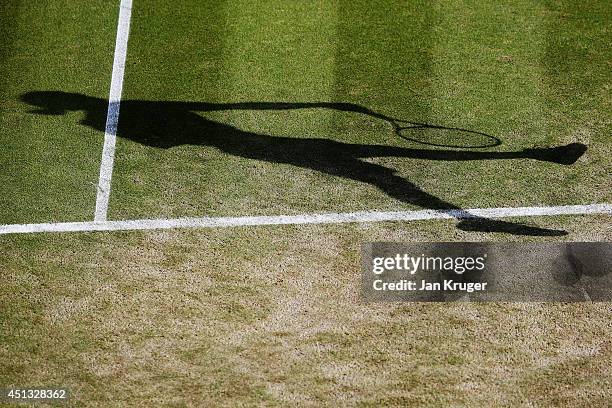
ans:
(442, 136)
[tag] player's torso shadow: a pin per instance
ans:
(165, 125)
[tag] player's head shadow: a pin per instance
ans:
(59, 102)
(165, 124)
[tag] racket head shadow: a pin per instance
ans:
(449, 137)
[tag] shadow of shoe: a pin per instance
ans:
(488, 225)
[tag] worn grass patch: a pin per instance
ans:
(272, 316)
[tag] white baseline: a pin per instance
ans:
(112, 117)
(327, 218)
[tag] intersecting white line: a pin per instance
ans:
(326, 218)
(112, 117)
(101, 223)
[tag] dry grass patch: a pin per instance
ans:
(272, 316)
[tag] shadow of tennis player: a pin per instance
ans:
(168, 124)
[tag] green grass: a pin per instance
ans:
(50, 163)
(272, 315)
(514, 71)
(491, 68)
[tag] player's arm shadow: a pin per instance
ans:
(165, 124)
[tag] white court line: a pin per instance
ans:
(112, 117)
(329, 218)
